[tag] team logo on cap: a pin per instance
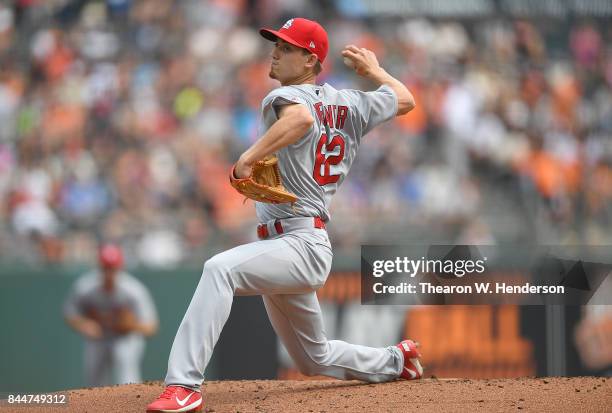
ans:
(312, 45)
(288, 24)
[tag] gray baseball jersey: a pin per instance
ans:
(118, 355)
(88, 296)
(290, 265)
(314, 167)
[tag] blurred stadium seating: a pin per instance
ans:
(120, 119)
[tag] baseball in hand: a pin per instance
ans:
(349, 62)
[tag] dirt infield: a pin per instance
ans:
(586, 394)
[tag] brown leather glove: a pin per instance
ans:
(104, 319)
(125, 321)
(264, 184)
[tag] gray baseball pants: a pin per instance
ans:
(113, 360)
(286, 269)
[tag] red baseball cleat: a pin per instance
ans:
(176, 399)
(412, 366)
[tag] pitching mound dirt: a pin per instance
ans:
(592, 394)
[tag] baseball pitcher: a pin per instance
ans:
(312, 136)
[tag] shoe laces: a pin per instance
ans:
(168, 392)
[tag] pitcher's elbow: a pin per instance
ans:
(406, 104)
(304, 123)
(307, 121)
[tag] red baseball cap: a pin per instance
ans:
(303, 33)
(110, 256)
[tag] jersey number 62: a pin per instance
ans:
(322, 167)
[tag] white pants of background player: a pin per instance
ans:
(286, 270)
(114, 360)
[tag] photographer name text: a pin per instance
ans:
(478, 288)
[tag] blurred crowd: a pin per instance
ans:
(120, 119)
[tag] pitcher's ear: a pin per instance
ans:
(312, 61)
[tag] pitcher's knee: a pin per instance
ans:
(212, 265)
(218, 270)
(309, 369)
(224, 261)
(315, 365)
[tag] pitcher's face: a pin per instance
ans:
(288, 62)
